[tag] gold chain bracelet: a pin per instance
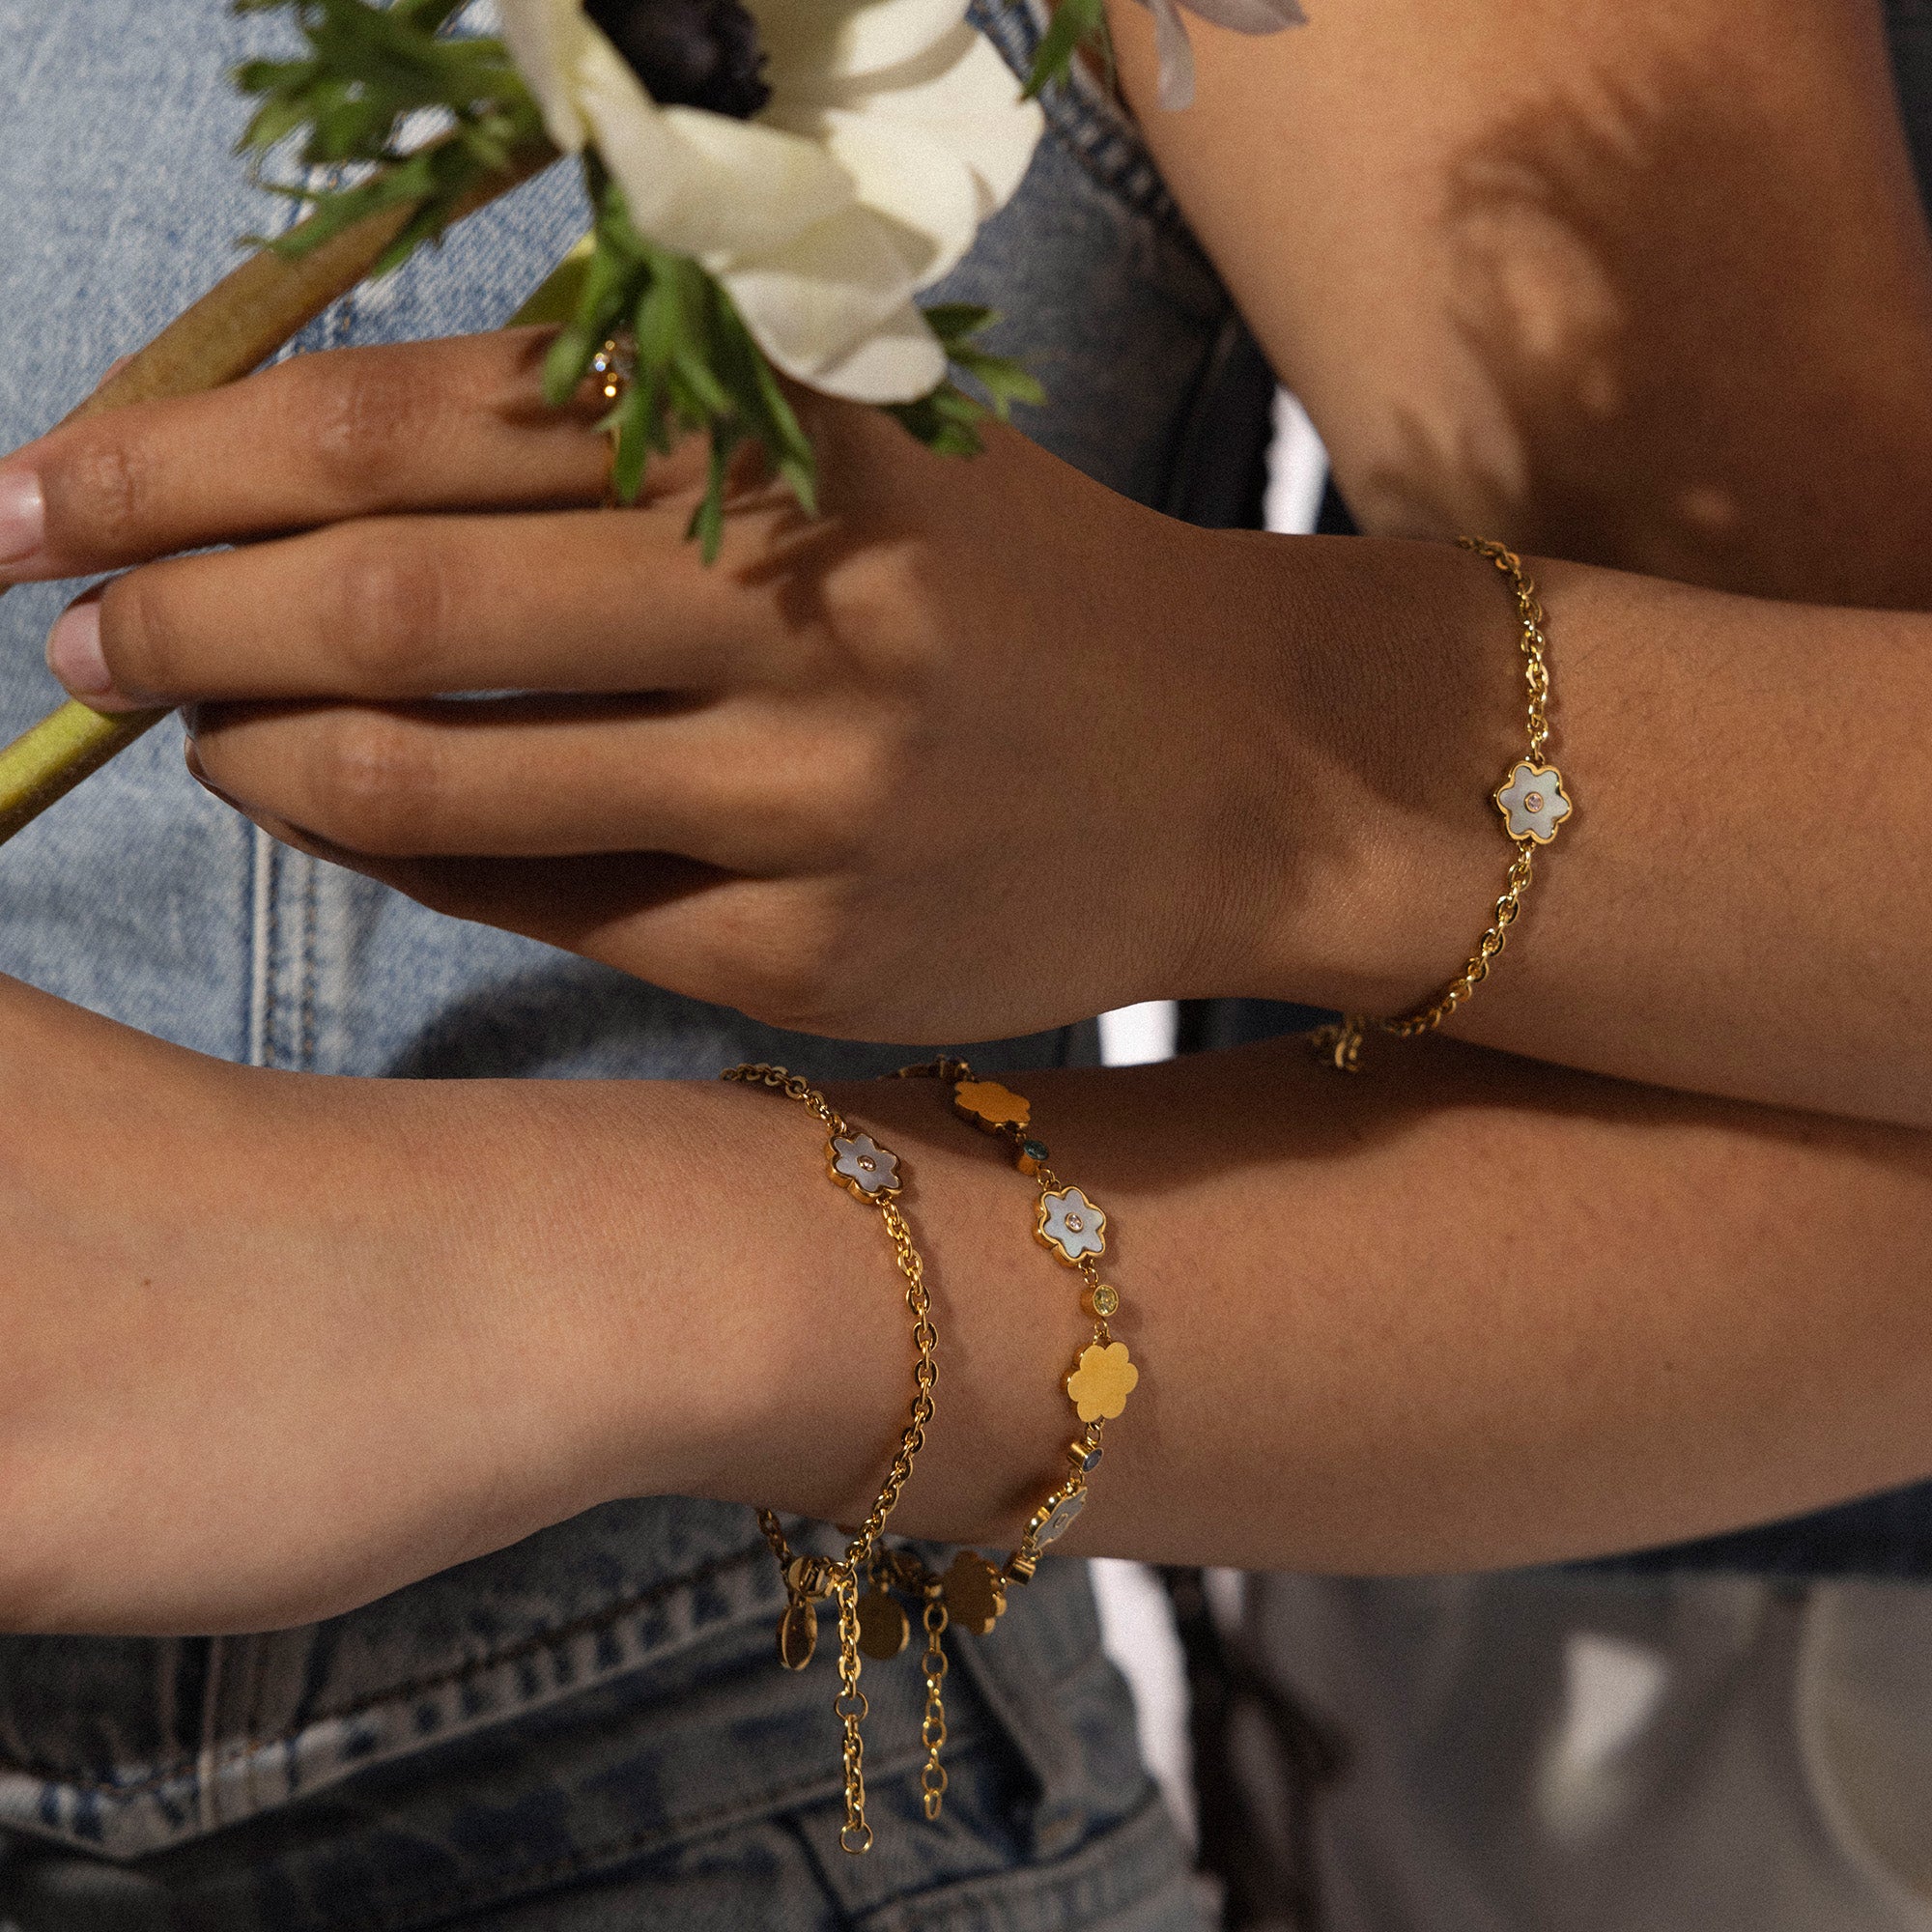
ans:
(1533, 803)
(973, 1592)
(873, 1175)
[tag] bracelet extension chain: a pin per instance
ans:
(1533, 803)
(871, 1174)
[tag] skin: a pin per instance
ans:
(1648, 291)
(1468, 1310)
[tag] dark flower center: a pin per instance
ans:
(690, 53)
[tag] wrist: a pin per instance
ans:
(1405, 701)
(682, 1307)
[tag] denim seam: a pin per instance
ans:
(269, 938)
(306, 1043)
(398, 1693)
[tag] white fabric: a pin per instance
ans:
(1533, 1752)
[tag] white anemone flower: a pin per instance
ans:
(892, 131)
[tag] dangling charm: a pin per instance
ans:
(884, 1628)
(797, 1632)
(976, 1593)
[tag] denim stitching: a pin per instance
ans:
(1106, 144)
(311, 888)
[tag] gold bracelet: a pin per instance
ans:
(871, 1174)
(973, 1592)
(1533, 803)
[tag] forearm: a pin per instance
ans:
(1739, 904)
(298, 1342)
(1470, 1312)
(1645, 287)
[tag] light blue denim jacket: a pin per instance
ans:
(590, 1727)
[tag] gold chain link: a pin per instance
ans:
(854, 1835)
(932, 1731)
(1341, 1046)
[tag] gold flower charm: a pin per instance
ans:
(976, 1593)
(1101, 1382)
(989, 1106)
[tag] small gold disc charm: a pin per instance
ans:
(798, 1635)
(884, 1628)
(976, 1593)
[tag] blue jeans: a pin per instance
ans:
(589, 1729)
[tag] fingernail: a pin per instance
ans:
(74, 654)
(198, 772)
(24, 516)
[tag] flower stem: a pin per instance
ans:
(230, 331)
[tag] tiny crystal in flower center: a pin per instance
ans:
(690, 53)
(1532, 801)
(1075, 1225)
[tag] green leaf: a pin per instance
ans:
(958, 321)
(368, 68)
(1075, 23)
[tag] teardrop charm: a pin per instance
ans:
(798, 1635)
(884, 1628)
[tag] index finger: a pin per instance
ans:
(450, 425)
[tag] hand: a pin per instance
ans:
(986, 748)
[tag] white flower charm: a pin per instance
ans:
(859, 1162)
(1055, 1516)
(1071, 1225)
(1533, 803)
(857, 149)
(1177, 54)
